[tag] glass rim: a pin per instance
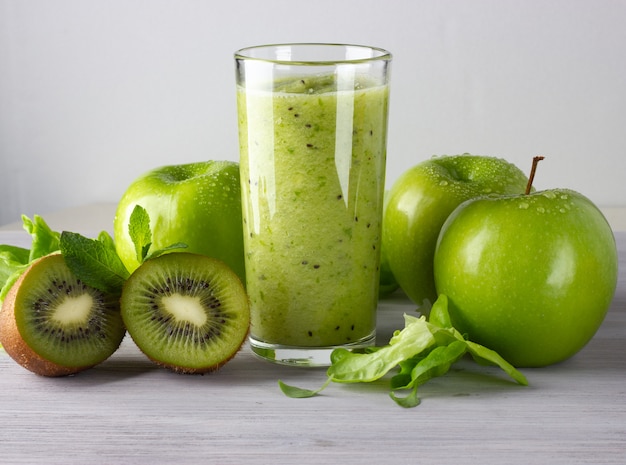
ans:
(243, 54)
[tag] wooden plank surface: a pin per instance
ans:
(127, 411)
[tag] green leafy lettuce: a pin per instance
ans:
(94, 261)
(14, 260)
(423, 350)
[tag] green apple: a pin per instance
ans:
(388, 282)
(195, 203)
(529, 276)
(419, 202)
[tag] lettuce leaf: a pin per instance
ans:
(421, 351)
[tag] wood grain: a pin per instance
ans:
(128, 411)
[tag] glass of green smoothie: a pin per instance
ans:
(313, 136)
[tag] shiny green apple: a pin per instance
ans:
(388, 282)
(529, 276)
(198, 204)
(419, 202)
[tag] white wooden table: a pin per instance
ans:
(127, 411)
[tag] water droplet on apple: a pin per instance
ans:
(562, 210)
(443, 182)
(541, 209)
(523, 206)
(549, 195)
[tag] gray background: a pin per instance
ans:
(94, 93)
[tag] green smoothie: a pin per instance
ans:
(312, 171)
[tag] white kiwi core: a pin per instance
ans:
(74, 309)
(184, 307)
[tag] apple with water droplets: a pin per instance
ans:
(197, 203)
(419, 202)
(530, 276)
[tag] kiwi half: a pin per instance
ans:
(54, 325)
(186, 312)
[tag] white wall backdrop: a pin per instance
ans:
(94, 93)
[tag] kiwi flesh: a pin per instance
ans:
(54, 325)
(187, 312)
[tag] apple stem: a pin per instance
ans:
(536, 161)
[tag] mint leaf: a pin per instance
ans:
(107, 240)
(94, 261)
(169, 248)
(140, 233)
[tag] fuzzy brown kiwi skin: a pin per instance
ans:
(196, 371)
(16, 347)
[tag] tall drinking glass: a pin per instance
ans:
(313, 135)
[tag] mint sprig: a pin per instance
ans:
(141, 235)
(421, 351)
(94, 261)
(140, 232)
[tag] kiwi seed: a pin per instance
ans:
(53, 324)
(187, 312)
